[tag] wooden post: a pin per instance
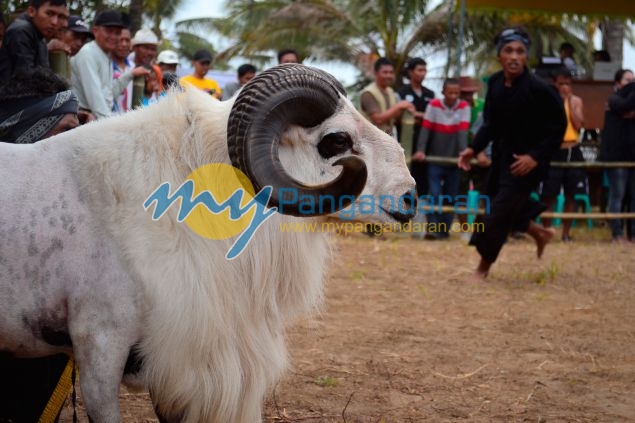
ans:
(138, 91)
(406, 133)
(60, 64)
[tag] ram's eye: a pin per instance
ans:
(334, 144)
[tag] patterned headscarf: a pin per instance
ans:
(27, 120)
(512, 34)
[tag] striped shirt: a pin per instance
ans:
(444, 129)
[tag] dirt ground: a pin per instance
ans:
(407, 336)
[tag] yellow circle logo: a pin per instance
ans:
(227, 185)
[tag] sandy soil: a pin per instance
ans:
(407, 336)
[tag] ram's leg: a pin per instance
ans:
(103, 335)
(101, 357)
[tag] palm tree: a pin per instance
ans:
(136, 15)
(358, 31)
(613, 34)
(349, 31)
(158, 10)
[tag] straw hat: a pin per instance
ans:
(145, 36)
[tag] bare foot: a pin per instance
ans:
(482, 270)
(541, 235)
(620, 240)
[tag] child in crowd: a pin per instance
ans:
(443, 134)
(151, 91)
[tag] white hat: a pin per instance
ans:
(145, 36)
(168, 57)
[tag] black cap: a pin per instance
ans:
(203, 55)
(76, 24)
(109, 18)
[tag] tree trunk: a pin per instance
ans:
(136, 12)
(613, 39)
(157, 26)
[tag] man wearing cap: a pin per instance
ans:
(25, 42)
(525, 120)
(202, 61)
(168, 61)
(144, 45)
(92, 68)
(76, 35)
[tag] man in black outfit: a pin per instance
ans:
(525, 120)
(420, 96)
(25, 45)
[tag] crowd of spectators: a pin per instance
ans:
(444, 127)
(113, 71)
(110, 70)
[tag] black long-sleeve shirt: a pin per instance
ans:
(22, 47)
(526, 118)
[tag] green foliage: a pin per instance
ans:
(189, 43)
(349, 31)
(547, 32)
(326, 381)
(84, 8)
(359, 31)
(158, 10)
(357, 275)
(13, 6)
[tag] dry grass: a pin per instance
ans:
(408, 336)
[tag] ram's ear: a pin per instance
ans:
(290, 94)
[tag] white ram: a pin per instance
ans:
(84, 270)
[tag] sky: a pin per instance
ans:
(347, 73)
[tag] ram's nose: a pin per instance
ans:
(409, 202)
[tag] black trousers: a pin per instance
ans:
(26, 386)
(511, 209)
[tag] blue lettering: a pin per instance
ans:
(326, 198)
(390, 199)
(486, 198)
(287, 196)
(344, 215)
(441, 198)
(463, 204)
(260, 216)
(163, 202)
(402, 200)
(426, 204)
(366, 204)
(306, 200)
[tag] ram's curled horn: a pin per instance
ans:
(286, 95)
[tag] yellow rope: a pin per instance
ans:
(60, 394)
